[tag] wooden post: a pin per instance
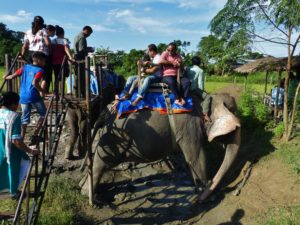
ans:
(27, 202)
(139, 73)
(8, 69)
(277, 94)
(88, 129)
(62, 83)
(178, 76)
(294, 111)
(245, 81)
(78, 80)
(8, 65)
(99, 80)
(266, 82)
(71, 77)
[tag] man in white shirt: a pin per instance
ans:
(196, 76)
(153, 75)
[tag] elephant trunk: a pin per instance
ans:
(230, 155)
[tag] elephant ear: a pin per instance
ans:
(223, 121)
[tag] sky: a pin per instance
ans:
(124, 24)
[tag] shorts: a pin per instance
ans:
(26, 110)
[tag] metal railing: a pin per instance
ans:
(36, 181)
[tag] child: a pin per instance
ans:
(31, 75)
(14, 161)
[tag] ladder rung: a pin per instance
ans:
(33, 195)
(6, 215)
(38, 175)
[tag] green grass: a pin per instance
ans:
(61, 204)
(289, 153)
(255, 78)
(280, 216)
(212, 86)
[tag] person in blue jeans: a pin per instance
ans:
(30, 88)
(153, 76)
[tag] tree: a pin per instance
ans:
(224, 53)
(10, 42)
(245, 17)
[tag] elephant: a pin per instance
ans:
(76, 116)
(146, 136)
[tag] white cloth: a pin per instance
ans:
(59, 41)
(156, 62)
(36, 42)
(23, 170)
(10, 123)
(196, 76)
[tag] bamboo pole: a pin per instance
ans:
(99, 80)
(266, 82)
(8, 65)
(88, 129)
(277, 94)
(293, 112)
(139, 73)
(8, 71)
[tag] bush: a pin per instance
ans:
(252, 111)
(279, 130)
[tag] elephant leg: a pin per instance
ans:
(73, 123)
(105, 158)
(99, 168)
(82, 138)
(232, 147)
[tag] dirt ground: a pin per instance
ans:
(156, 194)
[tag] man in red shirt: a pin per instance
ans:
(171, 64)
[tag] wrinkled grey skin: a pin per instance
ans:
(145, 136)
(77, 119)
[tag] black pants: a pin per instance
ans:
(79, 85)
(57, 76)
(179, 92)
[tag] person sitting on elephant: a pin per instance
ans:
(153, 76)
(195, 74)
(171, 63)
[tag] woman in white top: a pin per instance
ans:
(59, 49)
(37, 39)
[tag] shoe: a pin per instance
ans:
(35, 139)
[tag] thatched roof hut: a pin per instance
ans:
(268, 64)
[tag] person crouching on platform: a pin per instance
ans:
(14, 162)
(196, 77)
(31, 75)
